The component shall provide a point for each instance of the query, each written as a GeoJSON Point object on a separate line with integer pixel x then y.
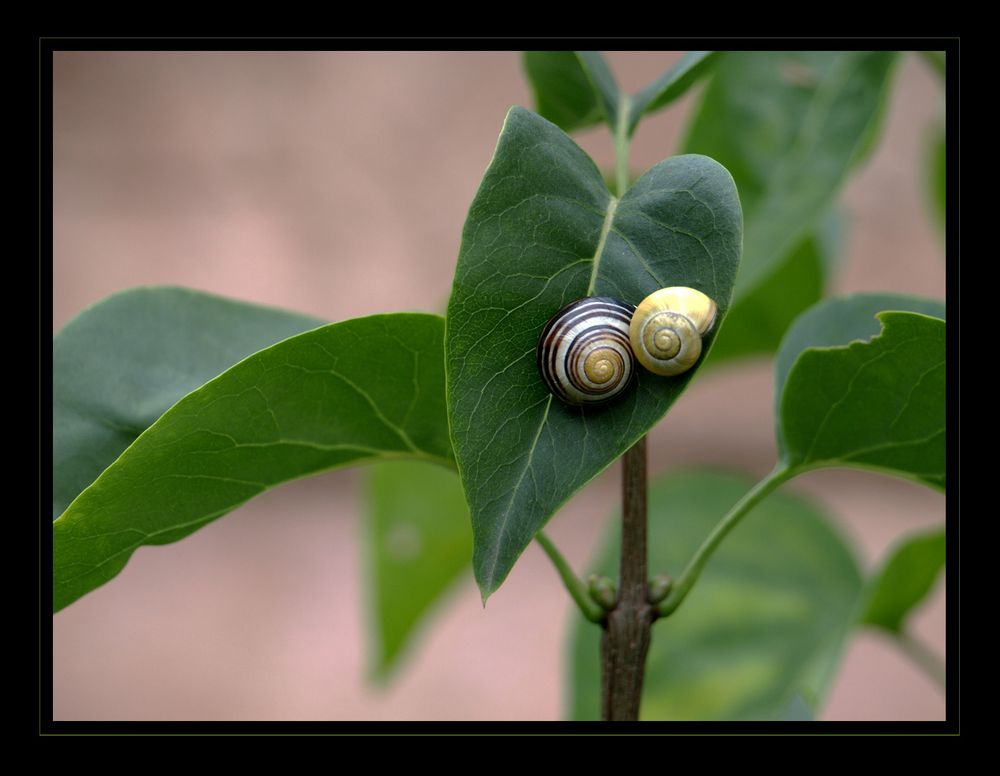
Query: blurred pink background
{"type": "Point", "coordinates": [336, 184]}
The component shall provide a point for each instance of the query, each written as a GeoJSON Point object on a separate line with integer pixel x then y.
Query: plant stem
{"type": "Point", "coordinates": [625, 641]}
{"type": "Point", "coordinates": [753, 497]}
{"type": "Point", "coordinates": [920, 654]}
{"type": "Point", "coordinates": [573, 584]}
{"type": "Point", "coordinates": [626, 636]}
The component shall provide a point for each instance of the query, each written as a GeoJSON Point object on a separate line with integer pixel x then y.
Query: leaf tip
{"type": "Point", "coordinates": [514, 112]}
{"type": "Point", "coordinates": [487, 587]}
{"type": "Point", "coordinates": [380, 673]}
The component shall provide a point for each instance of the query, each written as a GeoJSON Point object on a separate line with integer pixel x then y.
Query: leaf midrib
{"type": "Point", "coordinates": [862, 367]}
{"type": "Point", "coordinates": [505, 518]}
{"type": "Point", "coordinates": [609, 216]}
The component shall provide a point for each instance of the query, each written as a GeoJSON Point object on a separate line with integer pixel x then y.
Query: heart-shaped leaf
{"type": "Point", "coordinates": [125, 361]}
{"type": "Point", "coordinates": [904, 580]}
{"type": "Point", "coordinates": [363, 389]}
{"type": "Point", "coordinates": [877, 403]}
{"type": "Point", "coordinates": [542, 231]}
{"type": "Point", "coordinates": [420, 542]}
{"type": "Point", "coordinates": [761, 633]}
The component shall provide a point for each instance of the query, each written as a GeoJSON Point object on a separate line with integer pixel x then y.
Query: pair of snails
{"type": "Point", "coordinates": [587, 352]}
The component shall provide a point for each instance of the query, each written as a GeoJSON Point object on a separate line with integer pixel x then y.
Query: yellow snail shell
{"type": "Point", "coordinates": [667, 328]}
{"type": "Point", "coordinates": [583, 352]}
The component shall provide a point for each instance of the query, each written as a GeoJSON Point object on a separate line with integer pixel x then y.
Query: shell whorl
{"type": "Point", "coordinates": [667, 329]}
{"type": "Point", "coordinates": [584, 355]}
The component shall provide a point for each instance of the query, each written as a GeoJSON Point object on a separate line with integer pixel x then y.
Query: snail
{"type": "Point", "coordinates": [583, 352]}
{"type": "Point", "coordinates": [667, 328]}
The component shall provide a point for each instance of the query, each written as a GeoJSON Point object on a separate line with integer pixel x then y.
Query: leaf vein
{"type": "Point", "coordinates": [505, 517]}
{"type": "Point", "coordinates": [850, 387]}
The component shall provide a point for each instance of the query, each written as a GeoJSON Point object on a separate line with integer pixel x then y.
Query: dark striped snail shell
{"type": "Point", "coordinates": [667, 328]}
{"type": "Point", "coordinates": [584, 355]}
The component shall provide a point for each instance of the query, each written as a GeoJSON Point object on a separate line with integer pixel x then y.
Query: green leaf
{"type": "Point", "coordinates": [419, 543]}
{"type": "Point", "coordinates": [603, 82]}
{"type": "Point", "coordinates": [575, 89]}
{"type": "Point", "coordinates": [904, 580]}
{"type": "Point", "coordinates": [839, 321]}
{"type": "Point", "coordinates": [761, 633]}
{"type": "Point", "coordinates": [542, 231]}
{"type": "Point", "coordinates": [876, 403]}
{"type": "Point", "coordinates": [363, 389]}
{"type": "Point", "coordinates": [797, 710]}
{"type": "Point", "coordinates": [563, 91]}
{"type": "Point", "coordinates": [671, 85]}
{"type": "Point", "coordinates": [758, 321]}
{"type": "Point", "coordinates": [122, 363]}
{"type": "Point", "coordinates": [936, 61]}
{"type": "Point", "coordinates": [788, 126]}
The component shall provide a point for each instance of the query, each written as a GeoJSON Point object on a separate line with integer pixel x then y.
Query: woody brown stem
{"type": "Point", "coordinates": [627, 630]}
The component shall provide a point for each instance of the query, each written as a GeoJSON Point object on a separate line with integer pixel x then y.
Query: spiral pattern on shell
{"type": "Point", "coordinates": [584, 355]}
{"type": "Point", "coordinates": [667, 329]}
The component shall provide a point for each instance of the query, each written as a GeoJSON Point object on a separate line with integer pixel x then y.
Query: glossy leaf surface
{"type": "Point", "coordinates": [878, 403]}
{"type": "Point", "coordinates": [542, 231]}
{"type": "Point", "coordinates": [363, 389]}
{"type": "Point", "coordinates": [123, 362]}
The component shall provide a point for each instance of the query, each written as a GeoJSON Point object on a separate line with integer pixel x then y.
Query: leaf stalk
{"type": "Point", "coordinates": [754, 496]}
{"type": "Point", "coordinates": [577, 589]}
{"type": "Point", "coordinates": [626, 637]}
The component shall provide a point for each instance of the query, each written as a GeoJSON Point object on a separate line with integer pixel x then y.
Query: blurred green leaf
{"type": "Point", "coordinates": [788, 126]}
{"type": "Point", "coordinates": [123, 362]}
{"type": "Point", "coordinates": [877, 404]}
{"type": "Point", "coordinates": [759, 320]}
{"type": "Point", "coordinates": [363, 389]}
{"type": "Point", "coordinates": [563, 91]}
{"type": "Point", "coordinates": [603, 82]}
{"type": "Point", "coordinates": [543, 231]}
{"type": "Point", "coordinates": [670, 86]}
{"type": "Point", "coordinates": [797, 710]}
{"type": "Point", "coordinates": [575, 89]}
{"type": "Point", "coordinates": [761, 633]}
{"type": "Point", "coordinates": [937, 62]}
{"type": "Point", "coordinates": [420, 542]}
{"type": "Point", "coordinates": [904, 580]}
